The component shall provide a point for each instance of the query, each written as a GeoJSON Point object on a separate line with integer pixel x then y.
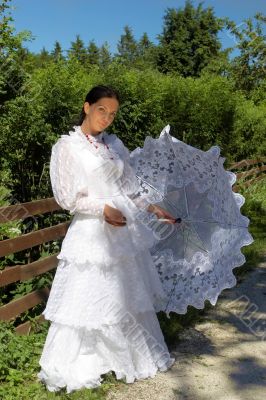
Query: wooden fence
{"type": "Point", "coordinates": [249, 172]}
{"type": "Point", "coordinates": [22, 273]}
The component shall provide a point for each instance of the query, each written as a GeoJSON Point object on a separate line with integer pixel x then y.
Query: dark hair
{"type": "Point", "coordinates": [95, 94]}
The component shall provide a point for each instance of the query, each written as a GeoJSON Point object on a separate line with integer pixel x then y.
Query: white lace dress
{"type": "Point", "coordinates": [106, 290]}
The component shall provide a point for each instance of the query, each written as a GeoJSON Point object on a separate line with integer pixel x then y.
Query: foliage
{"type": "Point", "coordinates": [25, 136]}
{"type": "Point", "coordinates": [12, 75]}
{"type": "Point", "coordinates": [254, 208]}
{"type": "Point", "coordinates": [249, 128]}
{"type": "Point", "coordinates": [104, 55]}
{"type": "Point", "coordinates": [93, 53]}
{"type": "Point", "coordinates": [9, 229]}
{"type": "Point", "coordinates": [78, 51]}
{"type": "Point", "coordinates": [189, 39]}
{"type": "Point", "coordinates": [255, 199]}
{"type": "Point", "coordinates": [248, 68]}
{"type": "Point", "coordinates": [57, 53]}
{"type": "Point", "coordinates": [127, 47]}
{"type": "Point", "coordinates": [201, 111]}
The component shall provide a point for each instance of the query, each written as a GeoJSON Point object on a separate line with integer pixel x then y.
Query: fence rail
{"type": "Point", "coordinates": [248, 174]}
{"type": "Point", "coordinates": [247, 171]}
{"type": "Point", "coordinates": [21, 273]}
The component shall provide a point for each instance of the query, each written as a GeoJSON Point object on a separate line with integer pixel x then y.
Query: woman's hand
{"type": "Point", "coordinates": [113, 216]}
{"type": "Point", "coordinates": [161, 213]}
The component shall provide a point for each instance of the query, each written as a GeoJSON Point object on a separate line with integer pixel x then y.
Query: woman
{"type": "Point", "coordinates": [106, 290]}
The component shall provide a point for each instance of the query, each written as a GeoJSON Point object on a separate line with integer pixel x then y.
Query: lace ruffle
{"type": "Point", "coordinates": [203, 277]}
{"type": "Point", "coordinates": [89, 295]}
{"type": "Point", "coordinates": [134, 349]}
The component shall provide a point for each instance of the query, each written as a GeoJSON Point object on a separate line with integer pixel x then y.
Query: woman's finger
{"type": "Point", "coordinates": [169, 216]}
{"type": "Point", "coordinates": [115, 222]}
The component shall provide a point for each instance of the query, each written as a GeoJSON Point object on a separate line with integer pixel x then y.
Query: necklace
{"type": "Point", "coordinates": [98, 148]}
{"type": "Point", "coordinates": [88, 136]}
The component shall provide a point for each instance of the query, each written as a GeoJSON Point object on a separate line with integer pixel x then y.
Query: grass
{"type": "Point", "coordinates": [19, 367]}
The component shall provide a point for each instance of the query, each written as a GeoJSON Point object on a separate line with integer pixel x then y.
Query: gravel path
{"type": "Point", "coordinates": [222, 358]}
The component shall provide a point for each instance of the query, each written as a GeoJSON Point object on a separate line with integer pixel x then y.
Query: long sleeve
{"type": "Point", "coordinates": [142, 202]}
{"type": "Point", "coordinates": [69, 183]}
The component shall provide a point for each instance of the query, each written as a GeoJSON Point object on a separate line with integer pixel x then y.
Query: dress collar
{"type": "Point", "coordinates": [106, 152]}
{"type": "Point", "coordinates": [94, 138]}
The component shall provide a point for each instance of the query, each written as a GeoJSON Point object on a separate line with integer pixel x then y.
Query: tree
{"type": "Point", "coordinates": [93, 53]}
{"type": "Point", "coordinates": [144, 44]}
{"type": "Point", "coordinates": [146, 51]}
{"type": "Point", "coordinates": [104, 55]}
{"type": "Point", "coordinates": [249, 67]}
{"type": "Point", "coordinates": [12, 74]}
{"type": "Point", "coordinates": [44, 56]}
{"type": "Point", "coordinates": [189, 39]}
{"type": "Point", "coordinates": [78, 50]}
{"type": "Point", "coordinates": [8, 41]}
{"type": "Point", "coordinates": [127, 47]}
{"type": "Point", "coordinates": [56, 53]}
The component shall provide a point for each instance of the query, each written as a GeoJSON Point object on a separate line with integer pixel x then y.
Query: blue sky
{"type": "Point", "coordinates": [103, 20]}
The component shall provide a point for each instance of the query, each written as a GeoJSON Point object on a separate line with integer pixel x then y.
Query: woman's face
{"type": "Point", "coordinates": [100, 115]}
